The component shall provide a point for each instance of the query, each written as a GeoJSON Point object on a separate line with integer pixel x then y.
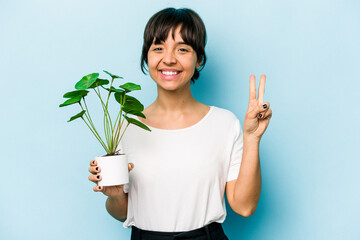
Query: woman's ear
{"type": "Point", "coordinates": [198, 64]}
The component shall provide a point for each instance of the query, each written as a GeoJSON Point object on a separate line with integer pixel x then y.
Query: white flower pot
{"type": "Point", "coordinates": [113, 170]}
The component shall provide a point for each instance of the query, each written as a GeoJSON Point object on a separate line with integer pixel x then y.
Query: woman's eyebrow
{"type": "Point", "coordinates": [162, 42]}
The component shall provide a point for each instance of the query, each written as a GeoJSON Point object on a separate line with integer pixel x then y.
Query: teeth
{"type": "Point", "coordinates": [169, 73]}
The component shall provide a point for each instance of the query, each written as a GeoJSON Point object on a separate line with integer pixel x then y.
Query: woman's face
{"type": "Point", "coordinates": [172, 63]}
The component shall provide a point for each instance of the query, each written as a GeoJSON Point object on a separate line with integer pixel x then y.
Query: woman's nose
{"type": "Point", "coordinates": [169, 57]}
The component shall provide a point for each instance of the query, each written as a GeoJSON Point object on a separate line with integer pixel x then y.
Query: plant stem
{"type": "Point", "coordinates": [107, 119]}
{"type": "Point", "coordinates": [116, 127]}
{"type": "Point", "coordinates": [118, 142]}
{"type": "Point", "coordinates": [119, 130]}
{"type": "Point", "coordinates": [97, 135]}
{"type": "Point", "coordinates": [99, 139]}
{"type": "Point", "coordinates": [106, 113]}
{"type": "Point", "coordinates": [121, 122]}
{"type": "Point", "coordinates": [118, 124]}
{"type": "Point", "coordinates": [111, 130]}
{"type": "Point", "coordinates": [124, 99]}
{"type": "Point", "coordinates": [107, 101]}
{"type": "Point", "coordinates": [87, 111]}
{"type": "Point", "coordinates": [117, 118]}
{"type": "Point", "coordinates": [119, 115]}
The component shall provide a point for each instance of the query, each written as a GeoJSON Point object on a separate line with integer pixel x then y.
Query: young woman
{"type": "Point", "coordinates": [181, 169]}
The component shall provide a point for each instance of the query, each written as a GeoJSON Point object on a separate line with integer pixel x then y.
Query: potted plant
{"type": "Point", "coordinates": [114, 165]}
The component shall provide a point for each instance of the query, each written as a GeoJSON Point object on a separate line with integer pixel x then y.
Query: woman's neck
{"type": "Point", "coordinates": [178, 101]}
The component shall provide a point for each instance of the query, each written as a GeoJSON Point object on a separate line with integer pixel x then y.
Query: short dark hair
{"type": "Point", "coordinates": [192, 31]}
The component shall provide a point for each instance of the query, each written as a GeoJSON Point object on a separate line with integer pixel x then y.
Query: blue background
{"type": "Point", "coordinates": [308, 49]}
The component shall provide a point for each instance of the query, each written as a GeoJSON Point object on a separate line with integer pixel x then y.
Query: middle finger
{"type": "Point", "coordinates": [95, 178]}
{"type": "Point", "coordinates": [95, 169]}
{"type": "Point", "coordinates": [261, 89]}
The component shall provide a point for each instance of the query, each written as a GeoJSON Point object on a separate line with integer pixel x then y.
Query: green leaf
{"type": "Point", "coordinates": [136, 113]}
{"type": "Point", "coordinates": [112, 75]}
{"type": "Point", "coordinates": [137, 123]}
{"type": "Point", "coordinates": [80, 114]}
{"type": "Point", "coordinates": [130, 86]}
{"type": "Point", "coordinates": [76, 93]}
{"type": "Point", "coordinates": [71, 101]}
{"type": "Point", "coordinates": [132, 106]}
{"type": "Point", "coordinates": [112, 89]}
{"type": "Point", "coordinates": [119, 97]}
{"type": "Point", "coordinates": [99, 82]}
{"type": "Point", "coordinates": [86, 81]}
{"type": "Point", "coordinates": [132, 99]}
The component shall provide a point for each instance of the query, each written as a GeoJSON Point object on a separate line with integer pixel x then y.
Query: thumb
{"type": "Point", "coordinates": [130, 166]}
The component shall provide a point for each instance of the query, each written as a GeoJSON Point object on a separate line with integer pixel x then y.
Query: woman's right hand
{"type": "Point", "coordinates": [110, 191]}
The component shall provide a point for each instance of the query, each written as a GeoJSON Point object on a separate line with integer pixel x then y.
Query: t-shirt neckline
{"type": "Point", "coordinates": [182, 129]}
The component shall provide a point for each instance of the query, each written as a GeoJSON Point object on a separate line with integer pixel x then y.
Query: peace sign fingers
{"type": "Point", "coordinates": [261, 89]}
{"type": "Point", "coordinates": [258, 115]}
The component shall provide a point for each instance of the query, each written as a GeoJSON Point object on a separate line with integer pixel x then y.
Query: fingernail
{"type": "Point", "coordinates": [93, 162]}
{"type": "Point", "coordinates": [98, 176]}
{"type": "Point", "coordinates": [99, 187]}
{"type": "Point", "coordinates": [96, 168]}
{"type": "Point", "coordinates": [260, 115]}
{"type": "Point", "coordinates": [264, 106]}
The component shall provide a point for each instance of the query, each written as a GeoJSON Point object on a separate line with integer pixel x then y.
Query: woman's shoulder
{"type": "Point", "coordinates": [224, 121]}
{"type": "Point", "coordinates": [224, 113]}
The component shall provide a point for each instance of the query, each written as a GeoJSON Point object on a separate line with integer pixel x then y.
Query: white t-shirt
{"type": "Point", "coordinates": [179, 176]}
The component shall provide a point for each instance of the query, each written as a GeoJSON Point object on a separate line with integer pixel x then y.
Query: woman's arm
{"type": "Point", "coordinates": [243, 193]}
{"type": "Point", "coordinates": [248, 184]}
{"type": "Point", "coordinates": [117, 206]}
{"type": "Point", "coordinates": [117, 201]}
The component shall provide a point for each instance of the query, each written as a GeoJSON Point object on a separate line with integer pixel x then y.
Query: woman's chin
{"type": "Point", "coordinates": [169, 86]}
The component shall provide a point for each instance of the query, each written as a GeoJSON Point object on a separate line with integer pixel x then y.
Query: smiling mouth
{"type": "Point", "coordinates": [170, 73]}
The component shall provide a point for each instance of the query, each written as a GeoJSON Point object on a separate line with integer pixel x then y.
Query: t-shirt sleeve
{"type": "Point", "coordinates": [126, 188]}
{"type": "Point", "coordinates": [236, 152]}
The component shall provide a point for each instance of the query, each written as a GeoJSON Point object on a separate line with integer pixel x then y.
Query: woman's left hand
{"type": "Point", "coordinates": [258, 115]}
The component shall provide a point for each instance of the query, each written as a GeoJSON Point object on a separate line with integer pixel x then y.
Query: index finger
{"type": "Point", "coordinates": [261, 89]}
{"type": "Point", "coordinates": [93, 163]}
{"type": "Point", "coordinates": [252, 94]}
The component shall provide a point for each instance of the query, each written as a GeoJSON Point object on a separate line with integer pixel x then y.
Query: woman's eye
{"type": "Point", "coordinates": [183, 50]}
{"type": "Point", "coordinates": [157, 49]}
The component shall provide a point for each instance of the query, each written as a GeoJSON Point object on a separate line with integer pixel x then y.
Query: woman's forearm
{"type": "Point", "coordinates": [248, 184]}
{"type": "Point", "coordinates": [117, 206]}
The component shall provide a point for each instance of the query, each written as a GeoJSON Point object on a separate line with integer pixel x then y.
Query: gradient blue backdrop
{"type": "Point", "coordinates": [309, 50]}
